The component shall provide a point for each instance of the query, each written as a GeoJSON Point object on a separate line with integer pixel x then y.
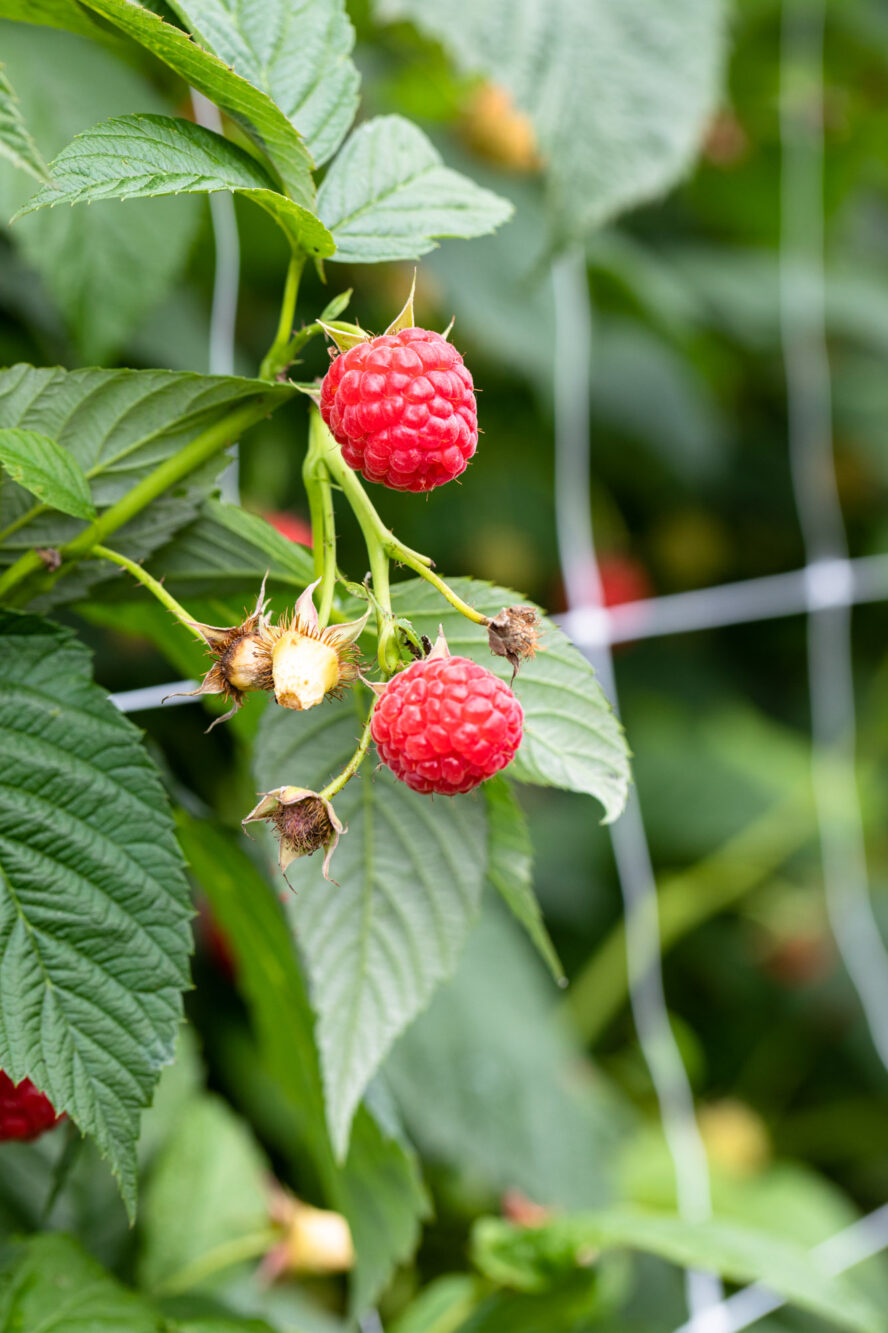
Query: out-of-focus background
{"type": "Point", "coordinates": [691, 488]}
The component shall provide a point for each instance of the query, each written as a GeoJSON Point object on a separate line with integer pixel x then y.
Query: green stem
{"type": "Point", "coordinates": [686, 900]}
{"type": "Point", "coordinates": [215, 1260]}
{"type": "Point", "coordinates": [167, 475]}
{"type": "Point", "coordinates": [353, 764]}
{"type": "Point", "coordinates": [148, 581]}
{"type": "Point", "coordinates": [278, 356]}
{"type": "Point", "coordinates": [381, 538]}
{"type": "Point", "coordinates": [316, 480]}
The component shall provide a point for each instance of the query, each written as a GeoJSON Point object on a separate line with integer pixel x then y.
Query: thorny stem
{"type": "Point", "coordinates": [147, 580]}
{"type": "Point", "coordinates": [168, 474]}
{"type": "Point", "coordinates": [319, 491]}
{"type": "Point", "coordinates": [352, 766]}
{"type": "Point", "coordinates": [278, 356]}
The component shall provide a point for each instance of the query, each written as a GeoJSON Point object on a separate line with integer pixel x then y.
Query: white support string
{"type": "Point", "coordinates": [863, 1239]}
{"type": "Point", "coordinates": [809, 420]}
{"type": "Point", "coordinates": [226, 279]}
{"type": "Point", "coordinates": [576, 546]}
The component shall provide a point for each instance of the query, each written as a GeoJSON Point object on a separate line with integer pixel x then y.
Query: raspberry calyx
{"type": "Point", "coordinates": [446, 724]}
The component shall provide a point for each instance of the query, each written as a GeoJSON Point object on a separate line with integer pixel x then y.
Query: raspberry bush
{"type": "Point", "coordinates": [341, 829]}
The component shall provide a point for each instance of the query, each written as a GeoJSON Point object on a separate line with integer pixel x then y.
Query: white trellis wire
{"type": "Point", "coordinates": [226, 280]}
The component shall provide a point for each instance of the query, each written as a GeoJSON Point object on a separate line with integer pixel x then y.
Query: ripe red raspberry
{"type": "Point", "coordinates": [402, 407]}
{"type": "Point", "coordinates": [24, 1112]}
{"type": "Point", "coordinates": [446, 724]}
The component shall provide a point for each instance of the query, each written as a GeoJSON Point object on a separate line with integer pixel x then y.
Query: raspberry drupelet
{"type": "Point", "coordinates": [25, 1113]}
{"type": "Point", "coordinates": [403, 409]}
{"type": "Point", "coordinates": [446, 724]}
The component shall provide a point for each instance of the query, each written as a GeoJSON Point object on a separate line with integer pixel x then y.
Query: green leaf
{"type": "Point", "coordinates": [227, 551]}
{"type": "Point", "coordinates": [51, 14]}
{"type": "Point", "coordinates": [102, 267]}
{"type": "Point", "coordinates": [298, 53]}
{"type": "Point", "coordinates": [94, 906]}
{"type": "Point", "coordinates": [15, 138]}
{"type": "Point", "coordinates": [532, 1259]}
{"type": "Point", "coordinates": [510, 867]}
{"type": "Point", "coordinates": [620, 94]}
{"type": "Point", "coordinates": [206, 1193]}
{"type": "Point", "coordinates": [409, 872]}
{"type": "Point", "coordinates": [52, 1286]}
{"type": "Point", "coordinates": [378, 1188]}
{"type": "Point", "coordinates": [137, 157]}
{"type": "Point", "coordinates": [496, 1016]}
{"type": "Point", "coordinates": [388, 194]}
{"type": "Point", "coordinates": [117, 426]}
{"type": "Point", "coordinates": [46, 470]}
{"type": "Point", "coordinates": [441, 1307]}
{"type": "Point", "coordinates": [571, 737]}
{"type": "Point", "coordinates": [248, 105]}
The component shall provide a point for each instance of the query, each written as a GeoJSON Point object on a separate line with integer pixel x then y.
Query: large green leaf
{"type": "Point", "coordinates": [50, 14]}
{"type": "Point", "coordinates": [49, 1285]}
{"type": "Point", "coordinates": [409, 875]}
{"type": "Point", "coordinates": [15, 137]}
{"type": "Point", "coordinates": [227, 551]}
{"type": "Point", "coordinates": [47, 470]}
{"type": "Point", "coordinates": [206, 1192]}
{"type": "Point", "coordinates": [94, 907]}
{"type": "Point", "coordinates": [378, 1187]}
{"type": "Point", "coordinates": [103, 267]}
{"type": "Point", "coordinates": [510, 867]}
{"type": "Point", "coordinates": [532, 1259]}
{"type": "Point", "coordinates": [137, 157]}
{"type": "Point", "coordinates": [571, 737]}
{"type": "Point", "coordinates": [620, 91]}
{"type": "Point", "coordinates": [388, 194]}
{"type": "Point", "coordinates": [250, 106]}
{"type": "Point", "coordinates": [118, 425]}
{"type": "Point", "coordinates": [298, 51]}
{"type": "Point", "coordinates": [489, 1082]}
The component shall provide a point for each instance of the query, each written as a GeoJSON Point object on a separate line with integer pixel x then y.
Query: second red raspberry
{"type": "Point", "coordinates": [25, 1113]}
{"type": "Point", "coordinates": [446, 724]}
{"type": "Point", "coordinates": [403, 409]}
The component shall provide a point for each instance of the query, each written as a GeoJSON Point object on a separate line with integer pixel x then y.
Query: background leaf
{"type": "Point", "coordinates": [296, 52]}
{"type": "Point", "coordinates": [46, 470]}
{"type": "Point", "coordinates": [94, 906]}
{"type": "Point", "coordinates": [206, 1190]}
{"type": "Point", "coordinates": [510, 866]}
{"type": "Point", "coordinates": [103, 267]}
{"type": "Point", "coordinates": [571, 737]}
{"type": "Point", "coordinates": [378, 1187]}
{"type": "Point", "coordinates": [530, 1259]}
{"type": "Point", "coordinates": [388, 194]}
{"type": "Point", "coordinates": [50, 13]}
{"type": "Point", "coordinates": [118, 425]}
{"type": "Point", "coordinates": [136, 157]}
{"type": "Point", "coordinates": [482, 1078]}
{"type": "Point", "coordinates": [619, 94]}
{"type": "Point", "coordinates": [53, 1287]}
{"type": "Point", "coordinates": [15, 138]}
{"type": "Point", "coordinates": [252, 108]}
{"type": "Point", "coordinates": [409, 877]}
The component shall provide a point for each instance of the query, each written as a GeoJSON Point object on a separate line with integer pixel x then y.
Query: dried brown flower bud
{"type": "Point", "coordinates": [304, 820]}
{"type": "Point", "coordinates": [243, 657]}
{"type": "Point", "coordinates": [514, 633]}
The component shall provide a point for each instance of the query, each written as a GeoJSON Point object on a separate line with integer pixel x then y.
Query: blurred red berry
{"type": "Point", "coordinates": [291, 526]}
{"type": "Point", "coordinates": [25, 1113]}
{"type": "Point", "coordinates": [402, 408]}
{"type": "Point", "coordinates": [623, 579]}
{"type": "Point", "coordinates": [446, 724]}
